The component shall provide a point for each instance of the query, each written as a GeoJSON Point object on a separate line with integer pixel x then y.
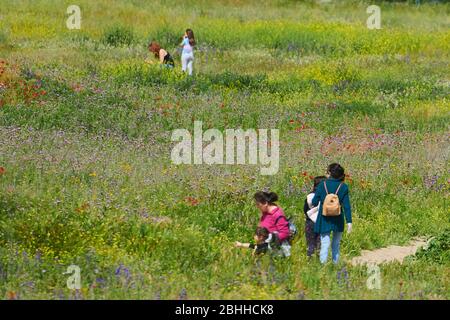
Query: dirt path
{"type": "Point", "coordinates": [388, 254]}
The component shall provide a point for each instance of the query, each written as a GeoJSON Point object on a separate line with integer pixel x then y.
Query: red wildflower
{"type": "Point", "coordinates": [191, 201]}
{"type": "Point", "coordinates": [82, 208]}
{"type": "Point", "coordinates": [12, 295]}
{"type": "Point", "coordinates": [2, 170]}
{"type": "Point", "coordinates": [348, 178]}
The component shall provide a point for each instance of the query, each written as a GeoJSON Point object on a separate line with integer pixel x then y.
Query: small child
{"type": "Point", "coordinates": [312, 238]}
{"type": "Point", "coordinates": [187, 54]}
{"type": "Point", "coordinates": [261, 244]}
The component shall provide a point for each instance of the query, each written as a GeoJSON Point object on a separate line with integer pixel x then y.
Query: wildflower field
{"type": "Point", "coordinates": [86, 176]}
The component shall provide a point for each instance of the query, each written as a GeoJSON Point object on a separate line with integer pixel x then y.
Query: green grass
{"type": "Point", "coordinates": [85, 125]}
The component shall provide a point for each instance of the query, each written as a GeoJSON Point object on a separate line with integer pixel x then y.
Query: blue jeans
{"type": "Point", "coordinates": [325, 245]}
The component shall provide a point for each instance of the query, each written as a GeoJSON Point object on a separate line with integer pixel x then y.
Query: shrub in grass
{"type": "Point", "coordinates": [80, 38]}
{"type": "Point", "coordinates": [119, 36]}
{"type": "Point", "coordinates": [438, 249]}
{"type": "Point", "coordinates": [233, 80]}
{"type": "Point", "coordinates": [166, 37]}
{"type": "Point", "coordinates": [3, 39]}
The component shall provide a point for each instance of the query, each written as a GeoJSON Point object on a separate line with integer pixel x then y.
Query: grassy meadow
{"type": "Point", "coordinates": [86, 176]}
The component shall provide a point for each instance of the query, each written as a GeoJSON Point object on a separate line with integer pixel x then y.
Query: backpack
{"type": "Point", "coordinates": [293, 231]}
{"type": "Point", "coordinates": [331, 206]}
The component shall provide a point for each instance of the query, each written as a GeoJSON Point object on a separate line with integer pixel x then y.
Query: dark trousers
{"type": "Point", "coordinates": [312, 238]}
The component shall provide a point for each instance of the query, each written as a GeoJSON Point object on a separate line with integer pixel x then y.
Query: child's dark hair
{"type": "Point", "coordinates": [190, 35]}
{"type": "Point", "coordinates": [262, 232]}
{"type": "Point", "coordinates": [318, 180]}
{"type": "Point", "coordinates": [336, 171]}
{"type": "Point", "coordinates": [266, 197]}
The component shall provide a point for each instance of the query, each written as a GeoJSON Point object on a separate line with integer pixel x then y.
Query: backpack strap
{"type": "Point", "coordinates": [337, 190]}
{"type": "Point", "coordinates": [276, 223]}
{"type": "Point", "coordinates": [281, 216]}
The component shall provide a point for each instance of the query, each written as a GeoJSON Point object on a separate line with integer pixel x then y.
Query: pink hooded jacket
{"type": "Point", "coordinates": [282, 226]}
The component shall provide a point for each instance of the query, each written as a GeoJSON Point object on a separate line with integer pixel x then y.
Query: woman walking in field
{"type": "Point", "coordinates": [187, 54]}
{"type": "Point", "coordinates": [333, 196]}
{"type": "Point", "coordinates": [164, 57]}
{"type": "Point", "coordinates": [274, 220]}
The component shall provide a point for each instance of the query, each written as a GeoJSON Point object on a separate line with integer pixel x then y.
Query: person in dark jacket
{"type": "Point", "coordinates": [325, 225]}
{"type": "Point", "coordinates": [312, 238]}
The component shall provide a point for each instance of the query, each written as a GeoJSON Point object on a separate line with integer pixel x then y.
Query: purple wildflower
{"type": "Point", "coordinates": [101, 282]}
{"type": "Point", "coordinates": [61, 295]}
{"type": "Point", "coordinates": [38, 257]}
{"type": "Point", "coordinates": [117, 272]}
{"type": "Point", "coordinates": [78, 295]}
{"type": "Point", "coordinates": [29, 284]}
{"type": "Point", "coordinates": [126, 272]}
{"type": "Point", "coordinates": [342, 276]}
{"type": "Point", "coordinates": [290, 189]}
{"type": "Point", "coordinates": [431, 183]}
{"type": "Point", "coordinates": [183, 295]}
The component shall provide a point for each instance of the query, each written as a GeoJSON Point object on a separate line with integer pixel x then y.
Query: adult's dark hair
{"type": "Point", "coordinates": [266, 197]}
{"type": "Point", "coordinates": [317, 181]}
{"type": "Point", "coordinates": [262, 232]}
{"type": "Point", "coordinates": [190, 35]}
{"type": "Point", "coordinates": [336, 171]}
